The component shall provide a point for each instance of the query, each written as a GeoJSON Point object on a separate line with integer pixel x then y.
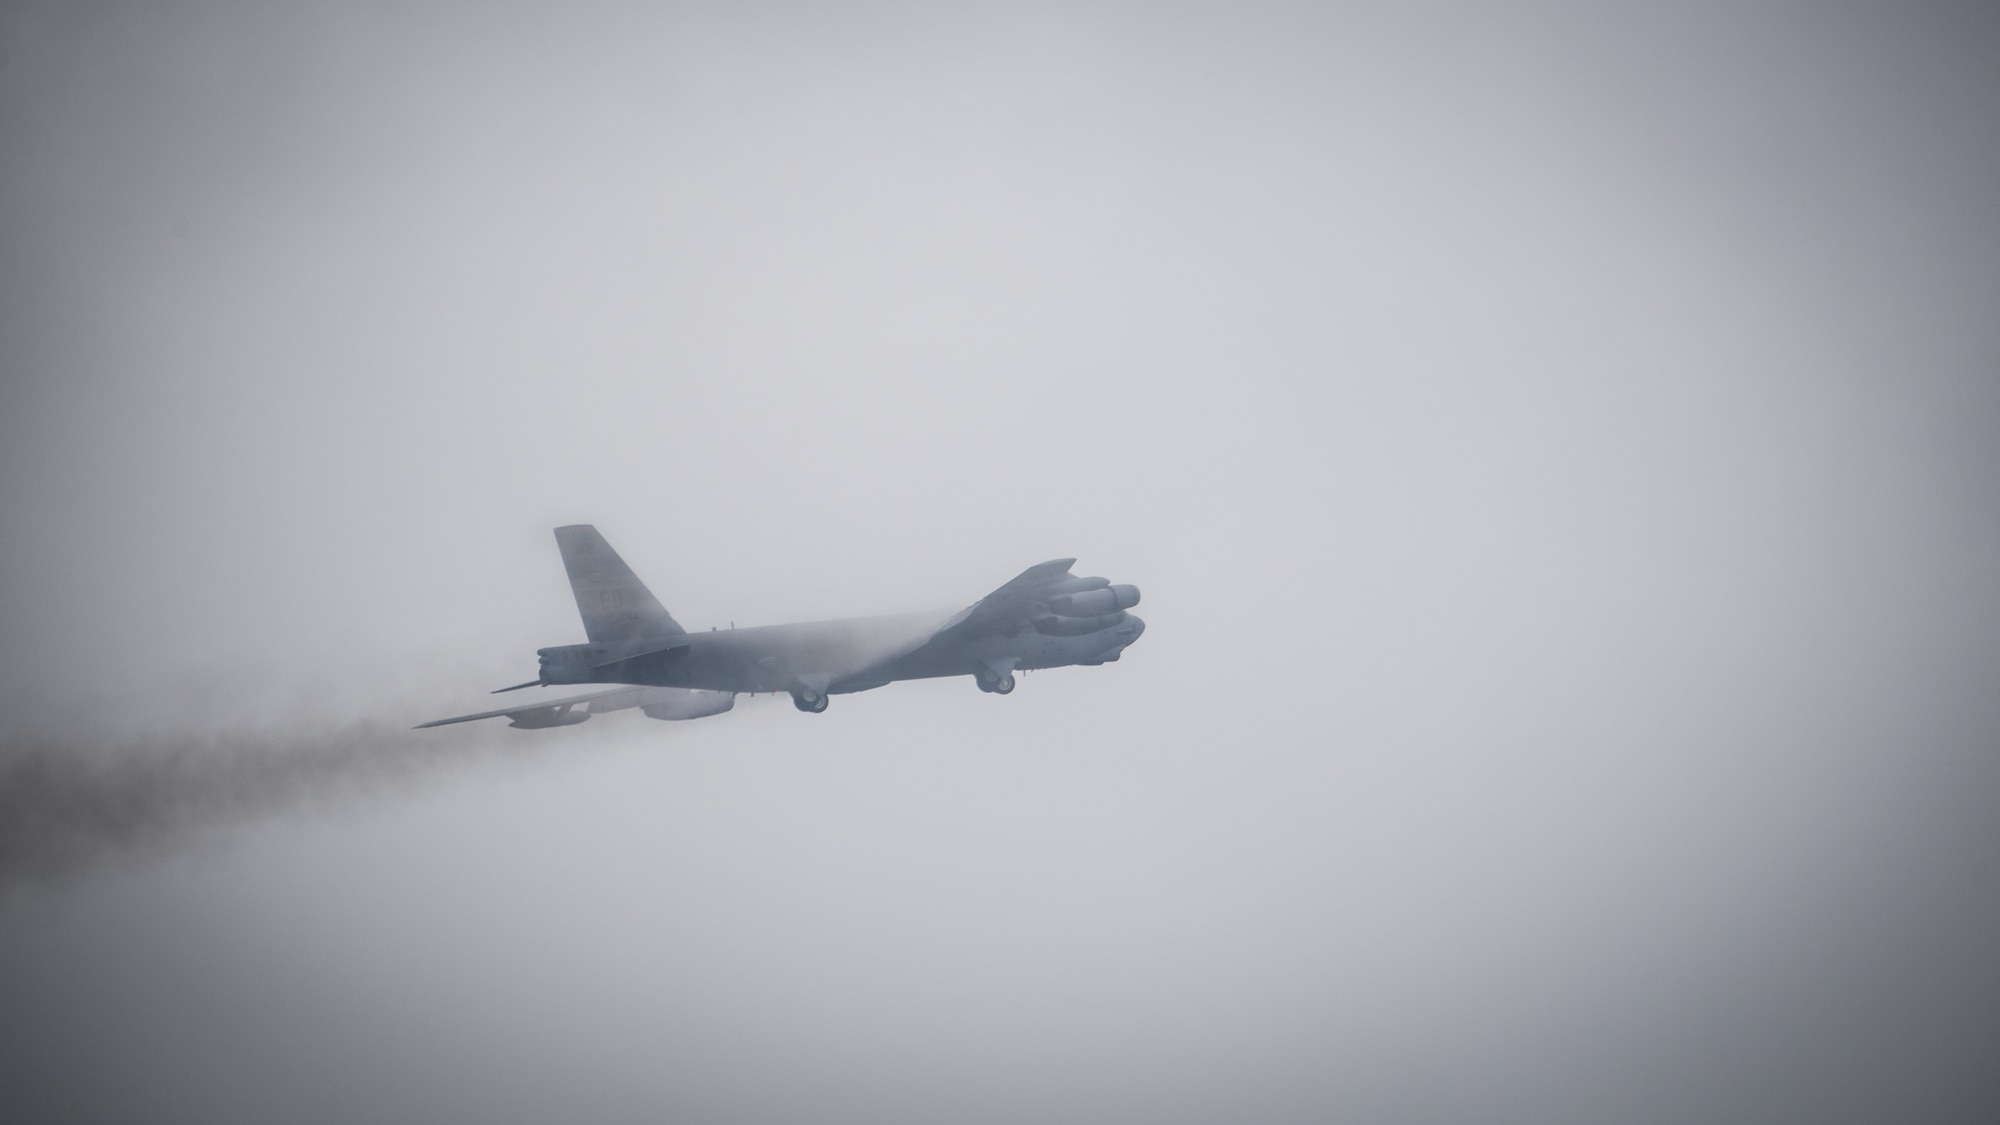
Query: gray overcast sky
{"type": "Point", "coordinates": [1557, 443]}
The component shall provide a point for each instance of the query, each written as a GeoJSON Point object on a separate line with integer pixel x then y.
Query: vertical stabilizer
{"type": "Point", "coordinates": [615, 605]}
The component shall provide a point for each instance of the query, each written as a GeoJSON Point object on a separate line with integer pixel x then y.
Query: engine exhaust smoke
{"type": "Point", "coordinates": [69, 803]}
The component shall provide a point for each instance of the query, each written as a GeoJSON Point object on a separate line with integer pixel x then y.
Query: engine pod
{"type": "Point", "coordinates": [686, 703]}
{"type": "Point", "coordinates": [1072, 586]}
{"type": "Point", "coordinates": [541, 718]}
{"type": "Point", "coordinates": [1095, 603]}
{"type": "Point", "coordinates": [1076, 626]}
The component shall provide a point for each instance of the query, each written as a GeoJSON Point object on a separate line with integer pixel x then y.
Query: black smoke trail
{"type": "Point", "coordinates": [67, 803]}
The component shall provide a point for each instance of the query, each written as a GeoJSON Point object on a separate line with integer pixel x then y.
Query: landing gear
{"type": "Point", "coordinates": [998, 685]}
{"type": "Point", "coordinates": [808, 700]}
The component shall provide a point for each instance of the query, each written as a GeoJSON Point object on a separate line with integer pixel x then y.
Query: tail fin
{"type": "Point", "coordinates": [615, 605]}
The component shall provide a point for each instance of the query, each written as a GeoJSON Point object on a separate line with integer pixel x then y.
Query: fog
{"type": "Point", "coordinates": [1558, 448]}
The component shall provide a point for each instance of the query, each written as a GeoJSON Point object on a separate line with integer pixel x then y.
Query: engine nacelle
{"type": "Point", "coordinates": [1073, 586]}
{"type": "Point", "coordinates": [689, 703]}
{"type": "Point", "coordinates": [1076, 626]}
{"type": "Point", "coordinates": [1096, 603]}
{"type": "Point", "coordinates": [541, 718]}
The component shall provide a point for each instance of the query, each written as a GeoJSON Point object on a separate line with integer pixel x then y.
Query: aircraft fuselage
{"type": "Point", "coordinates": [845, 655]}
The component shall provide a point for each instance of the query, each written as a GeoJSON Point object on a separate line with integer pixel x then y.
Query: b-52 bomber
{"type": "Point", "coordinates": [1045, 617]}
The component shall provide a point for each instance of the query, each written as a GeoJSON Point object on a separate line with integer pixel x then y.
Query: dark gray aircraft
{"type": "Point", "coordinates": [1045, 618]}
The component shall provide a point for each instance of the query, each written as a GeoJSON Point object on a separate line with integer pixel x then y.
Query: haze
{"type": "Point", "coordinates": [1557, 447]}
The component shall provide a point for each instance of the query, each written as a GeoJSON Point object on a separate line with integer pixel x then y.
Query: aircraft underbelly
{"type": "Point", "coordinates": [776, 658]}
{"type": "Point", "coordinates": [863, 653]}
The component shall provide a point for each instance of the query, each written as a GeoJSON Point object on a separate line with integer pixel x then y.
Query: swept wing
{"type": "Point", "coordinates": [1009, 608]}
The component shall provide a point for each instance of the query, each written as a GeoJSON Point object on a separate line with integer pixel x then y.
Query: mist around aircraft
{"type": "Point", "coordinates": [1045, 617]}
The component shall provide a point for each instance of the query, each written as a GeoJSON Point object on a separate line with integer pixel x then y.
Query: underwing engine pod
{"type": "Point", "coordinates": [674, 704]}
{"type": "Point", "coordinates": [1076, 626]}
{"type": "Point", "coordinates": [540, 718]}
{"type": "Point", "coordinates": [1095, 603]}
